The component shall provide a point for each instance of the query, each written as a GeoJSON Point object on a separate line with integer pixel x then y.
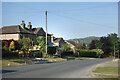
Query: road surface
{"type": "Point", "coordinates": [68, 69]}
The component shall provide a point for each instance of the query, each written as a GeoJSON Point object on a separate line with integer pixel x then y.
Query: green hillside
{"type": "Point", "coordinates": [86, 40]}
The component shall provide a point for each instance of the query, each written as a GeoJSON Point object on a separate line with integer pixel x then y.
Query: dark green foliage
{"type": "Point", "coordinates": [6, 43]}
{"type": "Point", "coordinates": [51, 50]}
{"type": "Point", "coordinates": [37, 54]}
{"type": "Point", "coordinates": [41, 43]}
{"type": "Point", "coordinates": [67, 53]}
{"type": "Point", "coordinates": [88, 53]}
{"type": "Point", "coordinates": [25, 43]}
{"type": "Point", "coordinates": [7, 53]}
{"type": "Point", "coordinates": [106, 46]}
{"type": "Point", "coordinates": [92, 45]}
{"type": "Point", "coordinates": [65, 47]}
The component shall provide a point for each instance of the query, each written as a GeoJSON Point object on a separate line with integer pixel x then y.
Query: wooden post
{"type": "Point", "coordinates": [118, 54]}
{"type": "Point", "coordinates": [114, 52]}
{"type": "Point", "coordinates": [46, 31]}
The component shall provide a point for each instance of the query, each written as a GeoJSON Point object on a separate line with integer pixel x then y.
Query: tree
{"type": "Point", "coordinates": [106, 45]}
{"type": "Point", "coordinates": [12, 45]}
{"type": "Point", "coordinates": [65, 47]}
{"type": "Point", "coordinates": [25, 43]}
{"type": "Point", "coordinates": [114, 42]}
{"type": "Point", "coordinates": [41, 42]}
{"type": "Point", "coordinates": [92, 45]}
{"type": "Point", "coordinates": [98, 44]}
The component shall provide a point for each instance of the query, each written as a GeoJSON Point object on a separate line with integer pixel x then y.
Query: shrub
{"type": "Point", "coordinates": [51, 50]}
{"type": "Point", "coordinates": [12, 45]}
{"type": "Point", "coordinates": [6, 43]}
{"type": "Point", "coordinates": [88, 53]}
{"type": "Point", "coordinates": [37, 54]}
{"type": "Point", "coordinates": [7, 53]}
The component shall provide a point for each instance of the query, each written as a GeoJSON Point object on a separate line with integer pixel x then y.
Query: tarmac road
{"type": "Point", "coordinates": [68, 69]}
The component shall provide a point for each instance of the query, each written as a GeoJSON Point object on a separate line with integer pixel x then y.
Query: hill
{"type": "Point", "coordinates": [86, 40]}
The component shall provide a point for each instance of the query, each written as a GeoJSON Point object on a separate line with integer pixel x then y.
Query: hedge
{"type": "Point", "coordinates": [51, 50]}
{"type": "Point", "coordinates": [7, 53]}
{"type": "Point", "coordinates": [88, 53]}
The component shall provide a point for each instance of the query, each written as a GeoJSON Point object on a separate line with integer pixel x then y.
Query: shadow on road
{"type": "Point", "coordinates": [7, 71]}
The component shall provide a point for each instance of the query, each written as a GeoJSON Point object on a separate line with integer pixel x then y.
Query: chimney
{"type": "Point", "coordinates": [52, 38]}
{"type": "Point", "coordinates": [23, 24]}
{"type": "Point", "coordinates": [29, 26]}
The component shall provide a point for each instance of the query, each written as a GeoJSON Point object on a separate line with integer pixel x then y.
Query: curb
{"type": "Point", "coordinates": [93, 74]}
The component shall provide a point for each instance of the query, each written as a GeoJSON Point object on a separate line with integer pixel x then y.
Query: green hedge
{"type": "Point", "coordinates": [89, 53]}
{"type": "Point", "coordinates": [51, 50]}
{"type": "Point", "coordinates": [7, 53]}
{"type": "Point", "coordinates": [37, 54]}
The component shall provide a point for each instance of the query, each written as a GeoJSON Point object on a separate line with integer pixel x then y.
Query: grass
{"type": "Point", "coordinates": [106, 76]}
{"type": "Point", "coordinates": [16, 62]}
{"type": "Point", "coordinates": [108, 70]}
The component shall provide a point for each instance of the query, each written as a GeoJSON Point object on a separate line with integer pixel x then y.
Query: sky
{"type": "Point", "coordinates": [65, 19]}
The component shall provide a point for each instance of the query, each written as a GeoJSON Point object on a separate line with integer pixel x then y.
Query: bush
{"type": "Point", "coordinates": [6, 43]}
{"type": "Point", "coordinates": [7, 53]}
{"type": "Point", "coordinates": [88, 53]}
{"type": "Point", "coordinates": [67, 53]}
{"type": "Point", "coordinates": [37, 54]}
{"type": "Point", "coordinates": [51, 50]}
{"type": "Point", "coordinates": [12, 45]}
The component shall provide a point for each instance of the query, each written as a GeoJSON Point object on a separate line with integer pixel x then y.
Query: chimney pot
{"type": "Point", "coordinates": [23, 24]}
{"type": "Point", "coordinates": [29, 23]}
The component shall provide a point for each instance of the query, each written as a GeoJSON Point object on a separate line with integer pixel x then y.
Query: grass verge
{"type": "Point", "coordinates": [16, 62]}
{"type": "Point", "coordinates": [107, 70]}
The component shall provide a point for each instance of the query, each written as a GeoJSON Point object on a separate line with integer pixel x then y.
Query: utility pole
{"type": "Point", "coordinates": [118, 54]}
{"type": "Point", "coordinates": [46, 31]}
{"type": "Point", "coordinates": [114, 52]}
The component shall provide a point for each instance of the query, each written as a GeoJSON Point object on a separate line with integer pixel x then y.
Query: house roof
{"type": "Point", "coordinates": [56, 40]}
{"type": "Point", "coordinates": [72, 42]}
{"type": "Point", "coordinates": [36, 30]}
{"type": "Point", "coordinates": [14, 29]}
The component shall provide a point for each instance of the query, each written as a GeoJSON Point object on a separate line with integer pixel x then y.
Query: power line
{"type": "Point", "coordinates": [85, 21]}
{"type": "Point", "coordinates": [69, 10]}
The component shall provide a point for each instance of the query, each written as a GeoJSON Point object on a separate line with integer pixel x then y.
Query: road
{"type": "Point", "coordinates": [68, 69]}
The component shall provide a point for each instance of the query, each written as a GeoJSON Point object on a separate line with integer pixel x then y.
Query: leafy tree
{"type": "Point", "coordinates": [41, 42]}
{"type": "Point", "coordinates": [106, 45]}
{"type": "Point", "coordinates": [98, 44]}
{"type": "Point", "coordinates": [12, 45]}
{"type": "Point", "coordinates": [65, 47]}
{"type": "Point", "coordinates": [25, 43]}
{"type": "Point", "coordinates": [92, 45]}
{"type": "Point", "coordinates": [114, 42]}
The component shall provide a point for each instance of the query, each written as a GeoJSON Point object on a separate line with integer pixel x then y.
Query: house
{"type": "Point", "coordinates": [57, 41]}
{"type": "Point", "coordinates": [72, 44]}
{"type": "Point", "coordinates": [17, 32]}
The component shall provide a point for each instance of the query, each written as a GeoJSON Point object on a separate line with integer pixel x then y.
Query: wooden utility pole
{"type": "Point", "coordinates": [118, 54]}
{"type": "Point", "coordinates": [46, 30]}
{"type": "Point", "coordinates": [114, 52]}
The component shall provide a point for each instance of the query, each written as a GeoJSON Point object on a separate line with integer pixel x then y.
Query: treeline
{"type": "Point", "coordinates": [110, 45]}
